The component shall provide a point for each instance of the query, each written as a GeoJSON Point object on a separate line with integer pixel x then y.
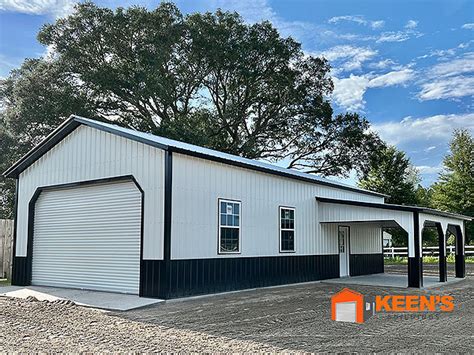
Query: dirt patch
{"type": "Point", "coordinates": [298, 317]}
{"type": "Point", "coordinates": [33, 326]}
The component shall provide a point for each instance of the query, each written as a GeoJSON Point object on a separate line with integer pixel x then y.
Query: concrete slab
{"type": "Point", "coordinates": [389, 280]}
{"type": "Point", "coordinates": [94, 299]}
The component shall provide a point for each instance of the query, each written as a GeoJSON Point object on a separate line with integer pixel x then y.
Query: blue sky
{"type": "Point", "coordinates": [408, 66]}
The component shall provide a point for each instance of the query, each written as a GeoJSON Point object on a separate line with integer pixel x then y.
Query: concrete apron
{"type": "Point", "coordinates": [390, 280]}
{"type": "Point", "coordinates": [94, 299]}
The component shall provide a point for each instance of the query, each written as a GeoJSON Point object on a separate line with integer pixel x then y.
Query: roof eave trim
{"type": "Point", "coordinates": [393, 207]}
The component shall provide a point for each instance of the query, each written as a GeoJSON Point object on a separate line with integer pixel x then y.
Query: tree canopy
{"type": "Point", "coordinates": [454, 190]}
{"type": "Point", "coordinates": [207, 78]}
{"type": "Point", "coordinates": [391, 172]}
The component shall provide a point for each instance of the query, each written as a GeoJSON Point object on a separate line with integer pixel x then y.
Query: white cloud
{"type": "Point", "coordinates": [468, 26]}
{"type": "Point", "coordinates": [455, 67]}
{"type": "Point", "coordinates": [411, 24]}
{"type": "Point", "coordinates": [425, 169]}
{"type": "Point", "coordinates": [349, 92]}
{"type": "Point", "coordinates": [383, 64]}
{"type": "Point", "coordinates": [348, 57]}
{"type": "Point", "coordinates": [399, 36]}
{"type": "Point", "coordinates": [430, 148]}
{"type": "Point", "coordinates": [377, 24]}
{"type": "Point", "coordinates": [57, 8]}
{"type": "Point", "coordinates": [357, 19]}
{"type": "Point", "coordinates": [392, 78]}
{"type": "Point", "coordinates": [447, 88]}
{"type": "Point", "coordinates": [425, 129]}
{"type": "Point", "coordinates": [449, 80]}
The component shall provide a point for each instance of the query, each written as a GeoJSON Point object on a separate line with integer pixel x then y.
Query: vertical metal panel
{"type": "Point", "coordinates": [200, 276]}
{"type": "Point", "coordinates": [88, 237]}
{"type": "Point", "coordinates": [197, 185]}
{"type": "Point", "coordinates": [365, 239]}
{"type": "Point", "coordinates": [366, 264]}
{"type": "Point", "coordinates": [88, 154]}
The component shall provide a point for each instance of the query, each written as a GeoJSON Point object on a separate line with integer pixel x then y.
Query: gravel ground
{"type": "Point", "coordinates": [291, 318]}
{"type": "Point", "coordinates": [33, 326]}
{"type": "Point", "coordinates": [298, 317]}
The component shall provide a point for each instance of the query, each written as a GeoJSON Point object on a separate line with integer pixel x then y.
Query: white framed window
{"type": "Point", "coordinates": [229, 226]}
{"type": "Point", "coordinates": [287, 229]}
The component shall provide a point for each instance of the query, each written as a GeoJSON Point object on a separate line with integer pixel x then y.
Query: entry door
{"type": "Point", "coordinates": [343, 234]}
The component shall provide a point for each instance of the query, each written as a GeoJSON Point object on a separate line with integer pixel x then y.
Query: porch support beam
{"type": "Point", "coordinates": [443, 266]}
{"type": "Point", "coordinates": [415, 263]}
{"type": "Point", "coordinates": [459, 258]}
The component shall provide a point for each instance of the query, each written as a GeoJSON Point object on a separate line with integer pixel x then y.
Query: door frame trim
{"type": "Point", "coordinates": [39, 190]}
{"type": "Point", "coordinates": [348, 254]}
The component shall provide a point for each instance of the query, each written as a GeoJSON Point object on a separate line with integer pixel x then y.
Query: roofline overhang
{"type": "Point", "coordinates": [387, 206]}
{"type": "Point", "coordinates": [74, 121]}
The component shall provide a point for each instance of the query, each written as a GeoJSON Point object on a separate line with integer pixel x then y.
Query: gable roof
{"type": "Point", "coordinates": [73, 122]}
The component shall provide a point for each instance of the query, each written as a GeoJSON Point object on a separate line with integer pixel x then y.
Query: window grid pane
{"type": "Point", "coordinates": [229, 226]}
{"type": "Point", "coordinates": [229, 239]}
{"type": "Point", "coordinates": [287, 227]}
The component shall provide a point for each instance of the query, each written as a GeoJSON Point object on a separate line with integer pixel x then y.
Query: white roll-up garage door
{"type": "Point", "coordinates": [88, 237]}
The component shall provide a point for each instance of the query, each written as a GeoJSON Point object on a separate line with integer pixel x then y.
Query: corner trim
{"type": "Point", "coordinates": [168, 199]}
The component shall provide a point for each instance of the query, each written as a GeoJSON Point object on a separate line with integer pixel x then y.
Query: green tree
{"type": "Point", "coordinates": [36, 98]}
{"type": "Point", "coordinates": [391, 172]}
{"type": "Point", "coordinates": [208, 79]}
{"type": "Point", "coordinates": [454, 190]}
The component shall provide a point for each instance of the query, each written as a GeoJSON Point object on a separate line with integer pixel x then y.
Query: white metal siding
{"type": "Point", "coordinates": [199, 183]}
{"type": "Point", "coordinates": [88, 154]}
{"type": "Point", "coordinates": [88, 237]}
{"type": "Point", "coordinates": [334, 212]}
{"type": "Point", "coordinates": [365, 239]}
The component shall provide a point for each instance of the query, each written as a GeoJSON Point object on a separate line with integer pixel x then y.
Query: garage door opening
{"type": "Point", "coordinates": [88, 237]}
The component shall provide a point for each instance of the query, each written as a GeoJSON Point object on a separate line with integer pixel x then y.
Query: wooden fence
{"type": "Point", "coordinates": [391, 252]}
{"type": "Point", "coordinates": [6, 248]}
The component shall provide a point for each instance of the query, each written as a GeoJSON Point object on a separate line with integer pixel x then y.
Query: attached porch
{"type": "Point", "coordinates": [344, 214]}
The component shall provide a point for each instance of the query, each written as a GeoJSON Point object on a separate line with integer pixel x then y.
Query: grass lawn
{"type": "Point", "coordinates": [4, 282]}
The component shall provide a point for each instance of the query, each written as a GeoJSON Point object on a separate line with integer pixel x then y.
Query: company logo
{"type": "Point", "coordinates": [351, 306]}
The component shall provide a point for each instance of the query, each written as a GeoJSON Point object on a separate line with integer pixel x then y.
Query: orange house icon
{"type": "Point", "coordinates": [348, 306]}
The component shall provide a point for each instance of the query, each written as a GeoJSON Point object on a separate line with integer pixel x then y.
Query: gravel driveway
{"type": "Point", "coordinates": [292, 318]}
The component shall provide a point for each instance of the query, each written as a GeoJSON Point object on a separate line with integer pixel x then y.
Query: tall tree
{"type": "Point", "coordinates": [391, 172]}
{"type": "Point", "coordinates": [454, 190]}
{"type": "Point", "coordinates": [208, 79]}
{"type": "Point", "coordinates": [35, 99]}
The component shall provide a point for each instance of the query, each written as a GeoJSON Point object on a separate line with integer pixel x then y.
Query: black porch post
{"type": "Point", "coordinates": [460, 263]}
{"type": "Point", "coordinates": [415, 264]}
{"type": "Point", "coordinates": [443, 275]}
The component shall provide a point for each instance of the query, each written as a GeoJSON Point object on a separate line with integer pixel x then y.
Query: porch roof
{"type": "Point", "coordinates": [387, 206]}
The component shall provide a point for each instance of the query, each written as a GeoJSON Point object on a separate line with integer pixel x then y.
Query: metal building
{"type": "Point", "coordinates": [107, 208]}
